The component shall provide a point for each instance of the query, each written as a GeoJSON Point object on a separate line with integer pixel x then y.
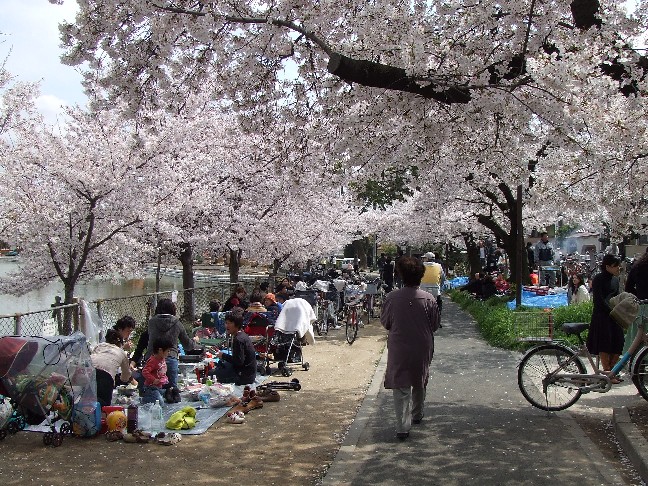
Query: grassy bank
{"type": "Point", "coordinates": [500, 326]}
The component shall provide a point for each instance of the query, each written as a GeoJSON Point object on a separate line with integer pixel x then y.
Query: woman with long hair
{"type": "Point", "coordinates": [577, 290]}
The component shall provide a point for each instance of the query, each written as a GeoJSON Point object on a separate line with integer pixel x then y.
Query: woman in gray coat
{"type": "Point", "coordinates": [411, 317]}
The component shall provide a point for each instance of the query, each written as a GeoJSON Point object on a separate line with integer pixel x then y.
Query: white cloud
{"type": "Point", "coordinates": [29, 36]}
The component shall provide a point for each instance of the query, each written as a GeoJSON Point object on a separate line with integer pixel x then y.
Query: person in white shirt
{"type": "Point", "coordinates": [108, 358]}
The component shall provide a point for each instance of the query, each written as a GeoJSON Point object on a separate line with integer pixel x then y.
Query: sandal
{"type": "Point", "coordinates": [231, 401]}
{"type": "Point", "coordinates": [616, 380]}
{"type": "Point", "coordinates": [235, 417]}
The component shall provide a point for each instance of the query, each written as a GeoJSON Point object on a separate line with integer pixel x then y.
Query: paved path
{"type": "Point", "coordinates": [478, 429]}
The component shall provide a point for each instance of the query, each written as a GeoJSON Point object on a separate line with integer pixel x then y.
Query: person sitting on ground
{"type": "Point", "coordinates": [285, 287]}
{"type": "Point", "coordinates": [237, 299]}
{"type": "Point", "coordinates": [155, 371]}
{"type": "Point", "coordinates": [270, 303]}
{"type": "Point", "coordinates": [501, 284]}
{"type": "Point", "coordinates": [577, 291]}
{"type": "Point", "coordinates": [124, 327]}
{"type": "Point", "coordinates": [239, 367]}
{"type": "Point", "coordinates": [107, 358]}
{"type": "Point", "coordinates": [474, 286]}
{"type": "Point", "coordinates": [255, 303]}
{"type": "Point", "coordinates": [488, 288]}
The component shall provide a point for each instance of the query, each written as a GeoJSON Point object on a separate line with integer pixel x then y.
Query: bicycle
{"type": "Point", "coordinates": [552, 376]}
{"type": "Point", "coordinates": [353, 301]}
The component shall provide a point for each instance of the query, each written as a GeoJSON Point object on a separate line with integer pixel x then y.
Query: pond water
{"type": "Point", "coordinates": [41, 299]}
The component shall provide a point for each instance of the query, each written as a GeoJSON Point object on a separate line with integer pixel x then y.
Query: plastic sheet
{"type": "Point", "coordinates": [531, 299]}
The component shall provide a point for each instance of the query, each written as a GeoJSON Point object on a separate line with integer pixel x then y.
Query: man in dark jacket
{"type": "Point", "coordinates": [240, 366]}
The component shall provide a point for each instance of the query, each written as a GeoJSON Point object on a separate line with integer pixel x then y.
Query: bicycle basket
{"type": "Point", "coordinates": [532, 326]}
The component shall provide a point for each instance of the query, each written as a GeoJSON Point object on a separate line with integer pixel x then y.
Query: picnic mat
{"type": "Point", "coordinates": [205, 416]}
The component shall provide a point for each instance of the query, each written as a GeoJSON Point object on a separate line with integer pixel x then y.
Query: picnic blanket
{"type": "Point", "coordinates": [205, 416]}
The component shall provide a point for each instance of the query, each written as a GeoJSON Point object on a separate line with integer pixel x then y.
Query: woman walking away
{"type": "Point", "coordinates": [605, 336]}
{"type": "Point", "coordinates": [411, 317]}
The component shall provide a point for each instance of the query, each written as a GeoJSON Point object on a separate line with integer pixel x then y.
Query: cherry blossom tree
{"type": "Point", "coordinates": [73, 199]}
{"type": "Point", "coordinates": [456, 89]}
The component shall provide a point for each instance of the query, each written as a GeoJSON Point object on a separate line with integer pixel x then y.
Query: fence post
{"type": "Point", "coordinates": [17, 324]}
{"type": "Point", "coordinates": [75, 313]}
{"type": "Point", "coordinates": [99, 312]}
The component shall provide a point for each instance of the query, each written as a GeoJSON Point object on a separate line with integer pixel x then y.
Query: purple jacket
{"type": "Point", "coordinates": [411, 317]}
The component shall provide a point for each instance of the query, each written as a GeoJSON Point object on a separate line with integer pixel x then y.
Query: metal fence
{"type": "Point", "coordinates": [140, 307]}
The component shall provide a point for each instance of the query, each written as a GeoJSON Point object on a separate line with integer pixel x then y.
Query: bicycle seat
{"type": "Point", "coordinates": [574, 327]}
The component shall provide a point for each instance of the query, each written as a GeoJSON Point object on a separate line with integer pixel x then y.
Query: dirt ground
{"type": "Point", "coordinates": [290, 442]}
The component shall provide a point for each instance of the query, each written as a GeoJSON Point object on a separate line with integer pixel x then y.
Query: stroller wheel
{"type": "Point", "coordinates": [281, 365]}
{"type": "Point", "coordinates": [57, 439]}
{"type": "Point", "coordinates": [297, 387]}
{"type": "Point", "coordinates": [3, 434]}
{"type": "Point", "coordinates": [12, 428]}
{"type": "Point", "coordinates": [306, 366]}
{"type": "Point", "coordinates": [66, 429]}
{"type": "Point", "coordinates": [286, 371]}
{"type": "Point", "coordinates": [47, 438]}
{"type": "Point", "coordinates": [22, 423]}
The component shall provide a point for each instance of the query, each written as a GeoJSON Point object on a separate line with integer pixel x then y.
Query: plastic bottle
{"type": "Point", "coordinates": [131, 418]}
{"type": "Point", "coordinates": [156, 417]}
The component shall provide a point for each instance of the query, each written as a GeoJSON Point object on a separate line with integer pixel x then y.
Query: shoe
{"type": "Point", "coordinates": [616, 381]}
{"type": "Point", "coordinates": [255, 402]}
{"type": "Point", "coordinates": [402, 435]}
{"type": "Point", "coordinates": [168, 439]}
{"type": "Point", "coordinates": [175, 394]}
{"type": "Point", "coordinates": [269, 395]}
{"type": "Point", "coordinates": [417, 421]}
{"type": "Point", "coordinates": [235, 417]}
{"type": "Point", "coordinates": [168, 395]}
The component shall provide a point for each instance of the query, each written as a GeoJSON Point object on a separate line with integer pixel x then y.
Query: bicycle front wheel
{"type": "Point", "coordinates": [535, 382]}
{"type": "Point", "coordinates": [640, 372]}
{"type": "Point", "coordinates": [351, 325]}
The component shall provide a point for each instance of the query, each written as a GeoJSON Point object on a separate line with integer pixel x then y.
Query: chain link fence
{"type": "Point", "coordinates": [140, 307]}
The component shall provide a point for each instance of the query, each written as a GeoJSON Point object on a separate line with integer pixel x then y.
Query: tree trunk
{"type": "Point", "coordinates": [473, 253]}
{"type": "Point", "coordinates": [234, 265]}
{"type": "Point", "coordinates": [68, 312]}
{"type": "Point", "coordinates": [186, 258]}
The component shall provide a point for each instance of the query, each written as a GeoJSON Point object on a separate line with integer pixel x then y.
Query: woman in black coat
{"type": "Point", "coordinates": [605, 336]}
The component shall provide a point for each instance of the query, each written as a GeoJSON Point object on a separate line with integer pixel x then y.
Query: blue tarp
{"type": "Point", "coordinates": [531, 299]}
{"type": "Point", "coordinates": [456, 282]}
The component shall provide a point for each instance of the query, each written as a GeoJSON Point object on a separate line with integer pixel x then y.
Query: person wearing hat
{"type": "Point", "coordinates": [271, 304]}
{"type": "Point", "coordinates": [433, 277]}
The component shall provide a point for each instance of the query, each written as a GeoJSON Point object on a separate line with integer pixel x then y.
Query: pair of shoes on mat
{"type": "Point", "coordinates": [235, 417]}
{"type": "Point", "coordinates": [167, 438]}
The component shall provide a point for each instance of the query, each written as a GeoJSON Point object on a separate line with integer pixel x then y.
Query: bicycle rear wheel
{"type": "Point", "coordinates": [640, 372]}
{"type": "Point", "coordinates": [533, 379]}
{"type": "Point", "coordinates": [351, 325]}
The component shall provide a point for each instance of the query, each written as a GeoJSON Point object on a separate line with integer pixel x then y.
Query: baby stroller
{"type": "Point", "coordinates": [50, 380]}
{"type": "Point", "coordinates": [292, 331]}
{"type": "Point", "coordinates": [260, 327]}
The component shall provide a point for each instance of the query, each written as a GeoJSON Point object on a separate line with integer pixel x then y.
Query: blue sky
{"type": "Point", "coordinates": [29, 41]}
